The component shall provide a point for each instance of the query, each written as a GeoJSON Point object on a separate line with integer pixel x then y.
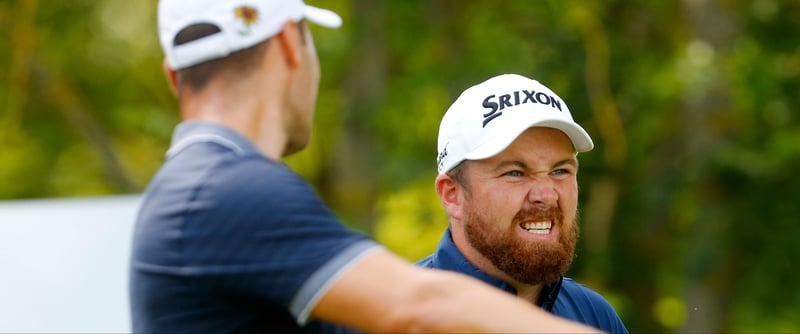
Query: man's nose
{"type": "Point", "coordinates": [542, 192]}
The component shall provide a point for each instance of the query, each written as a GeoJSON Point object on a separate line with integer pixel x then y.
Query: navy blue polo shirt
{"type": "Point", "coordinates": [227, 240]}
{"type": "Point", "coordinates": [565, 298]}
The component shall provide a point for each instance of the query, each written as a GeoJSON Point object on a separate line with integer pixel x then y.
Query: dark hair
{"type": "Point", "coordinates": [236, 64]}
{"type": "Point", "coordinates": [459, 175]}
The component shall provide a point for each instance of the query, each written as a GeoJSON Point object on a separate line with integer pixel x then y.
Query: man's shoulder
{"type": "Point", "coordinates": [581, 303]}
{"type": "Point", "coordinates": [256, 184]}
{"type": "Point", "coordinates": [206, 180]}
{"type": "Point", "coordinates": [211, 166]}
{"type": "Point", "coordinates": [574, 290]}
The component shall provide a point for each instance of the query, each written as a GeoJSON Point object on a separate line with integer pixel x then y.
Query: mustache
{"type": "Point", "coordinates": [549, 213]}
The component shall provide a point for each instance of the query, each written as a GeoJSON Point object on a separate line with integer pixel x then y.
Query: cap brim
{"type": "Point", "coordinates": [323, 17]}
{"type": "Point", "coordinates": [579, 137]}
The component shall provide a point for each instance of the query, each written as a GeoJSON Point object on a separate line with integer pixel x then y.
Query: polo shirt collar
{"type": "Point", "coordinates": [189, 132]}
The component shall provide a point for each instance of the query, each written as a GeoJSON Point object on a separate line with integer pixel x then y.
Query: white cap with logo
{"type": "Point", "coordinates": [488, 117]}
{"type": "Point", "coordinates": [242, 24]}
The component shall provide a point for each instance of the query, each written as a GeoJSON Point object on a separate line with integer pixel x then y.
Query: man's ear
{"type": "Point", "coordinates": [451, 195]}
{"type": "Point", "coordinates": [290, 41]}
{"type": "Point", "coordinates": [172, 77]}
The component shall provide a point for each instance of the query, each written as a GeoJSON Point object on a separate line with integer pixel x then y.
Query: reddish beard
{"type": "Point", "coordinates": [525, 261]}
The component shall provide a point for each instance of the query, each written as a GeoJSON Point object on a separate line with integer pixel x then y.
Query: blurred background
{"type": "Point", "coordinates": [689, 209]}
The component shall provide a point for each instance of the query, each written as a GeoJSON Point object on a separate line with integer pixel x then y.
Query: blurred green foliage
{"type": "Point", "coordinates": [689, 204]}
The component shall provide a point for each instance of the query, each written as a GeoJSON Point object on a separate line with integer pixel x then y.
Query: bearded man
{"type": "Point", "coordinates": [507, 167]}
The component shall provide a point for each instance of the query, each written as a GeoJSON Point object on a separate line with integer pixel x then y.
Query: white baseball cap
{"type": "Point", "coordinates": [242, 24]}
{"type": "Point", "coordinates": [488, 117]}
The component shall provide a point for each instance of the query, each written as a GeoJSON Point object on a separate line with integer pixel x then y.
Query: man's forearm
{"type": "Point", "coordinates": [384, 293]}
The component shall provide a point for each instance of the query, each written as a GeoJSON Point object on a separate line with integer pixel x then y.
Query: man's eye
{"type": "Point", "coordinates": [514, 173]}
{"type": "Point", "coordinates": [561, 171]}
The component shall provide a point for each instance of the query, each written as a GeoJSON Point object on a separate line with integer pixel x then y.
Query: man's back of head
{"type": "Point", "coordinates": [220, 62]}
{"type": "Point", "coordinates": [201, 38]}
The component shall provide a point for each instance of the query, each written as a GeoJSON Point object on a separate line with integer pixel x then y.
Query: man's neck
{"type": "Point", "coordinates": [528, 292]}
{"type": "Point", "coordinates": [251, 115]}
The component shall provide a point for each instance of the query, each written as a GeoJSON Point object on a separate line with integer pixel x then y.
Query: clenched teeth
{"type": "Point", "coordinates": [542, 227]}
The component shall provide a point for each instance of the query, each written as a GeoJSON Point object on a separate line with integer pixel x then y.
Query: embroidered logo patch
{"type": "Point", "coordinates": [247, 16]}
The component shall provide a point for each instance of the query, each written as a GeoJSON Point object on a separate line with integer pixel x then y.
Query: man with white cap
{"type": "Point", "coordinates": [507, 167]}
{"type": "Point", "coordinates": [228, 239]}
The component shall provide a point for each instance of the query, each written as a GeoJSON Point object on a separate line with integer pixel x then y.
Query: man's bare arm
{"type": "Point", "coordinates": [384, 293]}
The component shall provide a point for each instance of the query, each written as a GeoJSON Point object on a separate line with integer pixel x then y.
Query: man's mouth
{"type": "Point", "coordinates": [540, 227]}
